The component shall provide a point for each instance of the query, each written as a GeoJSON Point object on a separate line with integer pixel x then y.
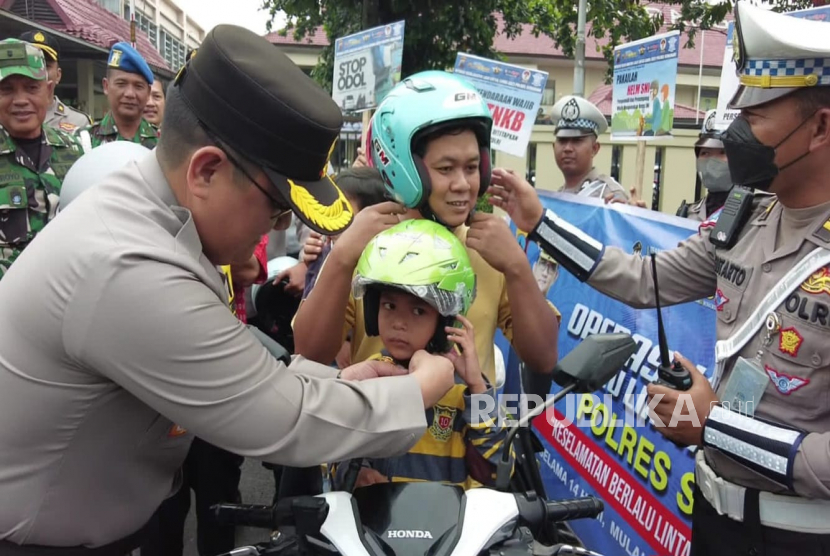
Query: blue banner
{"type": "Point", "coordinates": [604, 444]}
{"type": "Point", "coordinates": [645, 76]}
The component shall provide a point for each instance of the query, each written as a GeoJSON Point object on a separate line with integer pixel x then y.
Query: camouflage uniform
{"type": "Point", "coordinates": [29, 194]}
{"type": "Point", "coordinates": [105, 131]}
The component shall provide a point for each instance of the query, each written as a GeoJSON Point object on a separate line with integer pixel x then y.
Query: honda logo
{"type": "Point", "coordinates": [408, 534]}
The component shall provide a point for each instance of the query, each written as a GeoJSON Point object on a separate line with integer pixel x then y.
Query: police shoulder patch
{"type": "Point", "coordinates": [785, 383]}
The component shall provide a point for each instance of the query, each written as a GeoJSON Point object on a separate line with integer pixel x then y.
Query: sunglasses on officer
{"type": "Point", "coordinates": [280, 208]}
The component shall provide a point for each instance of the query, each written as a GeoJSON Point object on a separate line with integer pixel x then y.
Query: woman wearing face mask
{"type": "Point", "coordinates": [761, 427]}
{"type": "Point", "coordinates": [712, 170]}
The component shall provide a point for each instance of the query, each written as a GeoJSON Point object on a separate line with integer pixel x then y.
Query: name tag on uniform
{"type": "Point", "coordinates": [745, 387]}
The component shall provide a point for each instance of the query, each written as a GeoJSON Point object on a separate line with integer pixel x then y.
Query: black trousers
{"type": "Point", "coordinates": [719, 535]}
{"type": "Point", "coordinates": [295, 481]}
{"type": "Point", "coordinates": [213, 474]}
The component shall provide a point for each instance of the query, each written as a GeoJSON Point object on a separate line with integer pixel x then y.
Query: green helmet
{"type": "Point", "coordinates": [422, 258]}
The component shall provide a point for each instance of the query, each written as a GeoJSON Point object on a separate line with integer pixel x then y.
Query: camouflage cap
{"type": "Point", "coordinates": [21, 58]}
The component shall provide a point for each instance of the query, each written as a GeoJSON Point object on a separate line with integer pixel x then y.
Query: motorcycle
{"type": "Point", "coordinates": [432, 519]}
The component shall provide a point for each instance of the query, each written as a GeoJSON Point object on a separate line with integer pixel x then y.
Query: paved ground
{"type": "Point", "coordinates": [257, 487]}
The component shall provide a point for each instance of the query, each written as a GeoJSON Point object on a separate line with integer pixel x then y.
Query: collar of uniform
{"type": "Point", "coordinates": [146, 129]}
{"type": "Point", "coordinates": [56, 138]}
{"type": "Point", "coordinates": [107, 125]}
{"type": "Point", "coordinates": [591, 176]}
{"type": "Point", "coordinates": [7, 144]}
{"type": "Point", "coordinates": [187, 237]}
{"type": "Point", "coordinates": [57, 106]}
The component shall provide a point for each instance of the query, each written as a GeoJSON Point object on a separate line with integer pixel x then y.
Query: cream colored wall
{"type": "Point", "coordinates": [171, 12]}
{"type": "Point", "coordinates": [303, 57]}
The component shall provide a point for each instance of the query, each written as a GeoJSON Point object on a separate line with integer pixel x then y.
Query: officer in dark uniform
{"type": "Point", "coordinates": [59, 115]}
{"type": "Point", "coordinates": [762, 426]}
{"type": "Point", "coordinates": [127, 87]}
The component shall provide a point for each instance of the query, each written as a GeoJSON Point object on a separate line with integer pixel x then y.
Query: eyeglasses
{"type": "Point", "coordinates": [280, 207]}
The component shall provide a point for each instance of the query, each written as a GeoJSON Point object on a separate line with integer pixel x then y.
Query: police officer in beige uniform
{"type": "Point", "coordinates": [763, 473]}
{"type": "Point", "coordinates": [712, 171]}
{"type": "Point", "coordinates": [118, 345]}
{"type": "Point", "coordinates": [59, 115]}
{"type": "Point", "coordinates": [578, 126]}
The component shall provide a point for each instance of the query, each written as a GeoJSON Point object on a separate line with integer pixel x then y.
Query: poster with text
{"type": "Point", "coordinates": [603, 444]}
{"type": "Point", "coordinates": [366, 67]}
{"type": "Point", "coordinates": [513, 94]}
{"type": "Point", "coordinates": [645, 77]}
{"type": "Point", "coordinates": [729, 72]}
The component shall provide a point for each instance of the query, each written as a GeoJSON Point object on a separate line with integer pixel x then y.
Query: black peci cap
{"type": "Point", "coordinates": [256, 100]}
{"type": "Point", "coordinates": [44, 41]}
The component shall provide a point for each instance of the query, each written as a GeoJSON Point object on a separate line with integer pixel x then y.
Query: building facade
{"type": "Point", "coordinates": [670, 175]}
{"type": "Point", "coordinates": [170, 29]}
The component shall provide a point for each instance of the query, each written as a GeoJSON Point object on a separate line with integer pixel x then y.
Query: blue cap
{"type": "Point", "coordinates": [126, 58]}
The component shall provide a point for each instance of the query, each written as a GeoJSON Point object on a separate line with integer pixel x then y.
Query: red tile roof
{"type": "Point", "coordinates": [316, 38]}
{"type": "Point", "coordinates": [601, 98]}
{"type": "Point", "coordinates": [525, 44]}
{"type": "Point", "coordinates": [91, 22]}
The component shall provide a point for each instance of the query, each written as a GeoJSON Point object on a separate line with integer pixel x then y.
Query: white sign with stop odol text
{"type": "Point", "coordinates": [366, 67]}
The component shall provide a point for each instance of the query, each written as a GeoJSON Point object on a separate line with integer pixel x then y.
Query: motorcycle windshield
{"type": "Point", "coordinates": [410, 519]}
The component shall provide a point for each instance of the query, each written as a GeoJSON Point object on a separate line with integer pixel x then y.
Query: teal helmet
{"type": "Point", "coordinates": [420, 106]}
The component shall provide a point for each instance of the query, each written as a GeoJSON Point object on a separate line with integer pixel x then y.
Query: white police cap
{"type": "Point", "coordinates": [576, 117]}
{"type": "Point", "coordinates": [710, 133]}
{"type": "Point", "coordinates": [777, 54]}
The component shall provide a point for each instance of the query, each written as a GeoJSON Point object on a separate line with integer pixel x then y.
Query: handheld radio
{"type": "Point", "coordinates": [733, 216]}
{"type": "Point", "coordinates": [672, 375]}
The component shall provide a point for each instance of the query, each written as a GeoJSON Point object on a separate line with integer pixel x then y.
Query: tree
{"type": "Point", "coordinates": [437, 29]}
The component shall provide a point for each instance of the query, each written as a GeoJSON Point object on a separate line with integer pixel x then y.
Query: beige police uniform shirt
{"type": "Point", "coordinates": [737, 279]}
{"type": "Point", "coordinates": [697, 211]}
{"type": "Point", "coordinates": [118, 347]}
{"type": "Point", "coordinates": [65, 118]}
{"type": "Point", "coordinates": [597, 185]}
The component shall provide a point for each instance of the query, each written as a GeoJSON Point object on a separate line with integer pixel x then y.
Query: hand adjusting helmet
{"type": "Point", "coordinates": [417, 108]}
{"type": "Point", "coordinates": [421, 258]}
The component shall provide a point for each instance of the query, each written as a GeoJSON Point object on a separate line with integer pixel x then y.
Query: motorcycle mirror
{"type": "Point", "coordinates": [594, 361]}
{"type": "Point", "coordinates": [586, 368]}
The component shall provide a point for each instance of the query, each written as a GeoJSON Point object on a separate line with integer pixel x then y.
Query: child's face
{"type": "Point", "coordinates": [406, 323]}
{"type": "Point", "coordinates": [453, 165]}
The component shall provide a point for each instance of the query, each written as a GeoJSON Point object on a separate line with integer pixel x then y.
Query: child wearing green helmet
{"type": "Point", "coordinates": [431, 144]}
{"type": "Point", "coordinates": [415, 280]}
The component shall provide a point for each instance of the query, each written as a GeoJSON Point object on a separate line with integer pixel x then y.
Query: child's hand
{"type": "Point", "coordinates": [368, 477]}
{"type": "Point", "coordinates": [466, 362]}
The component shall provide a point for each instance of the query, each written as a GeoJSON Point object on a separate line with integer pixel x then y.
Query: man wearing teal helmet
{"type": "Point", "coordinates": [416, 282]}
{"type": "Point", "coordinates": [431, 143]}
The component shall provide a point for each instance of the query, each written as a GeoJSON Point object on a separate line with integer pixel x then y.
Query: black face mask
{"type": "Point", "coordinates": [751, 163]}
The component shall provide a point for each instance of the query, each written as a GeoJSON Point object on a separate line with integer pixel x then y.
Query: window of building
{"type": "Point", "coordinates": [531, 164]}
{"type": "Point", "coordinates": [708, 99]}
{"type": "Point", "coordinates": [171, 49]}
{"type": "Point", "coordinates": [548, 100]}
{"type": "Point", "coordinates": [658, 177]}
{"type": "Point", "coordinates": [616, 161]}
{"type": "Point", "coordinates": [144, 23]}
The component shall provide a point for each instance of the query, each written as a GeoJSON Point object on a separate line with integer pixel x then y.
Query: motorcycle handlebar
{"type": "Point", "coordinates": [565, 510]}
{"type": "Point", "coordinates": [246, 515]}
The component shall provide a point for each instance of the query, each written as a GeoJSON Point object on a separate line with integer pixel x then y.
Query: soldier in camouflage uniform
{"type": "Point", "coordinates": [127, 87]}
{"type": "Point", "coordinates": [33, 156]}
